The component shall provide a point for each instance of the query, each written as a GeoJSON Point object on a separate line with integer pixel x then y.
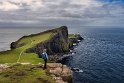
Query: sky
{"type": "Point", "coordinates": [62, 12]}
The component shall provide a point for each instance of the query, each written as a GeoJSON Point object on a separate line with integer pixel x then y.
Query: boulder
{"type": "Point", "coordinates": [61, 73]}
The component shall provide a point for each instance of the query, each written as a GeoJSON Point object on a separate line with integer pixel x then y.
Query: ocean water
{"type": "Point", "coordinates": [100, 55]}
{"type": "Point", "coordinates": [8, 35]}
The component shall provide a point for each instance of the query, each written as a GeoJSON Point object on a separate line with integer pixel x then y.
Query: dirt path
{"type": "Point", "coordinates": [22, 52]}
{"type": "Point", "coordinates": [20, 56]}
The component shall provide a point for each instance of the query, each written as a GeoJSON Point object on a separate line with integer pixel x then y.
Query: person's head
{"type": "Point", "coordinates": [44, 50]}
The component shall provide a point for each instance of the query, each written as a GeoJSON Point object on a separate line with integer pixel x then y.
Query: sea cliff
{"type": "Point", "coordinates": [26, 50]}
{"type": "Point", "coordinates": [59, 43]}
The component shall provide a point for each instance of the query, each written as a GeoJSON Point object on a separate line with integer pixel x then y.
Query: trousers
{"type": "Point", "coordinates": [45, 63]}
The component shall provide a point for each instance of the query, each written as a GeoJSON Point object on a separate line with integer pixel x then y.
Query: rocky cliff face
{"type": "Point", "coordinates": [58, 43]}
{"type": "Point", "coordinates": [60, 73]}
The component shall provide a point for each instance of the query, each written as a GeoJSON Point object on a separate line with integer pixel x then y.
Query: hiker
{"type": "Point", "coordinates": [45, 57]}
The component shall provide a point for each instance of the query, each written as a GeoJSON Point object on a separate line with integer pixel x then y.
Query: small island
{"type": "Point", "coordinates": [22, 64]}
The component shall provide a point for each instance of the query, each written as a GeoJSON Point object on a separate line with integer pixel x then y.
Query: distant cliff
{"type": "Point", "coordinates": [58, 42]}
{"type": "Point", "coordinates": [24, 51]}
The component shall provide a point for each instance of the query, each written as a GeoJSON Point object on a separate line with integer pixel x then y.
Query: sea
{"type": "Point", "coordinates": [100, 55]}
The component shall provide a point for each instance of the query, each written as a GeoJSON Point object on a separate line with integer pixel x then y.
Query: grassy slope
{"type": "Point", "coordinates": [12, 56]}
{"type": "Point", "coordinates": [71, 36]}
{"type": "Point", "coordinates": [25, 74]}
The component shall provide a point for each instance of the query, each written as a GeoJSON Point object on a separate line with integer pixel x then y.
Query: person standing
{"type": "Point", "coordinates": [45, 57]}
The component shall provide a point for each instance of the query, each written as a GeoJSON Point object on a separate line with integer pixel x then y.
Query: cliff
{"type": "Point", "coordinates": [58, 42]}
{"type": "Point", "coordinates": [24, 51]}
{"type": "Point", "coordinates": [23, 73]}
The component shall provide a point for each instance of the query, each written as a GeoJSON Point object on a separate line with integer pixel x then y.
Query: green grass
{"type": "Point", "coordinates": [71, 36]}
{"type": "Point", "coordinates": [30, 41]}
{"type": "Point", "coordinates": [12, 56]}
{"type": "Point", "coordinates": [25, 74]}
{"type": "Point", "coordinates": [27, 42]}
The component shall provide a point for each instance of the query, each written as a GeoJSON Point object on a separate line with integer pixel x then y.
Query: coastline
{"type": "Point", "coordinates": [55, 56]}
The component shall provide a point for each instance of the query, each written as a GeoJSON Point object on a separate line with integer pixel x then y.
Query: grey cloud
{"type": "Point", "coordinates": [63, 12]}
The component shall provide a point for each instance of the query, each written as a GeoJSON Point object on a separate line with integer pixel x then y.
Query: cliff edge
{"type": "Point", "coordinates": [25, 50]}
{"type": "Point", "coordinates": [57, 42]}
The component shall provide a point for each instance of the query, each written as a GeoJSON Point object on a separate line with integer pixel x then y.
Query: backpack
{"type": "Point", "coordinates": [44, 56]}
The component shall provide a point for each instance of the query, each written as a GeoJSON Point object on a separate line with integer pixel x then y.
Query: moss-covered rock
{"type": "Point", "coordinates": [58, 43]}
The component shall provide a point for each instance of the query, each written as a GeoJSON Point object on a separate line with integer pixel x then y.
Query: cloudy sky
{"type": "Point", "coordinates": [62, 12]}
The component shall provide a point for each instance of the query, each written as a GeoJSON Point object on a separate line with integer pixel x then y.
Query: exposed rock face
{"type": "Point", "coordinates": [14, 45]}
{"type": "Point", "coordinates": [61, 73]}
{"type": "Point", "coordinates": [3, 67]}
{"type": "Point", "coordinates": [59, 42]}
{"type": "Point", "coordinates": [75, 40]}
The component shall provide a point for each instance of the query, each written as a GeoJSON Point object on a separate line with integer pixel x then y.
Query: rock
{"type": "Point", "coordinates": [3, 67]}
{"type": "Point", "coordinates": [61, 73]}
{"type": "Point", "coordinates": [58, 43]}
{"type": "Point", "coordinates": [76, 70]}
{"type": "Point", "coordinates": [25, 63]}
{"type": "Point", "coordinates": [15, 44]}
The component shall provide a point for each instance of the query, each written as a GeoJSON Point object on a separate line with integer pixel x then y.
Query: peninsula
{"type": "Point", "coordinates": [22, 62]}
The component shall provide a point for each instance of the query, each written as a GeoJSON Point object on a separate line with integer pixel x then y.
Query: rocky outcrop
{"type": "Point", "coordinates": [3, 67]}
{"type": "Point", "coordinates": [77, 38]}
{"type": "Point", "coordinates": [56, 46]}
{"type": "Point", "coordinates": [15, 45]}
{"type": "Point", "coordinates": [60, 73]}
{"type": "Point", "coordinates": [58, 43]}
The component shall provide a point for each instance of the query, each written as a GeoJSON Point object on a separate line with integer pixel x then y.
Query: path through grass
{"type": "Point", "coordinates": [19, 55]}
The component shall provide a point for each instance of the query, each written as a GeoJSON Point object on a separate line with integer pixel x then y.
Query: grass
{"type": "Point", "coordinates": [31, 40]}
{"type": "Point", "coordinates": [25, 74]}
{"type": "Point", "coordinates": [12, 56]}
{"type": "Point", "coordinates": [71, 36]}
